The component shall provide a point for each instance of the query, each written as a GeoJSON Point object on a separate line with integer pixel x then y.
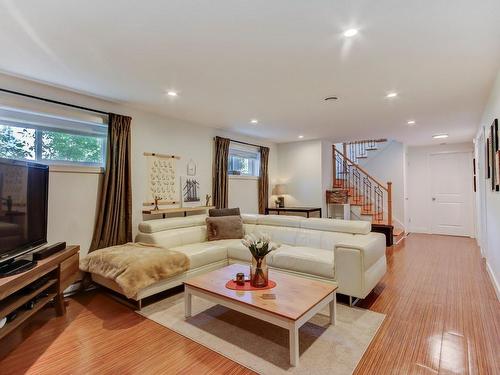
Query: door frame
{"type": "Point", "coordinates": [481, 191]}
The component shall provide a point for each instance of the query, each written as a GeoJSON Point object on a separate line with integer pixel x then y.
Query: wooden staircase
{"type": "Point", "coordinates": [361, 149]}
{"type": "Point", "coordinates": [370, 199]}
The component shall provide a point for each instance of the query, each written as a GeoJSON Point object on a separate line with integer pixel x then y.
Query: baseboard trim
{"type": "Point", "coordinates": [494, 281]}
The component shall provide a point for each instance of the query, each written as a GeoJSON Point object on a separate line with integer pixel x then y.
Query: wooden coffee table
{"type": "Point", "coordinates": [297, 299]}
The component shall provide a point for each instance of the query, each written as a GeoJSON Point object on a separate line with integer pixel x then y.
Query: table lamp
{"type": "Point", "coordinates": [280, 190]}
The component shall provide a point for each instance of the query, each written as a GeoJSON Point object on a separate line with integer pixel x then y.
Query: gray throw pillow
{"type": "Point", "coordinates": [216, 212]}
{"type": "Point", "coordinates": [224, 228]}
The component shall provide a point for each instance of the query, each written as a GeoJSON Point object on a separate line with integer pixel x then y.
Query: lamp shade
{"type": "Point", "coordinates": [279, 189]}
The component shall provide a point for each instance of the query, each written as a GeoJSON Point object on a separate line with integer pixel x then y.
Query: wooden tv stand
{"type": "Point", "coordinates": [61, 270]}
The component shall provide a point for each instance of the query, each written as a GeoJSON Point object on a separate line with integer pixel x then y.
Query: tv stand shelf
{"type": "Point", "coordinates": [24, 315]}
{"type": "Point", "coordinates": [58, 271]}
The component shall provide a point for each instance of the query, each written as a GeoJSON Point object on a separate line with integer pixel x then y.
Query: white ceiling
{"type": "Point", "coordinates": [233, 60]}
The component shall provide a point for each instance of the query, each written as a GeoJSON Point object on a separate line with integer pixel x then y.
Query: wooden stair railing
{"type": "Point", "coordinates": [362, 189]}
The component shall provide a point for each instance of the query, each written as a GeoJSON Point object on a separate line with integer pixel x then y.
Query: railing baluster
{"type": "Point", "coordinates": [363, 188]}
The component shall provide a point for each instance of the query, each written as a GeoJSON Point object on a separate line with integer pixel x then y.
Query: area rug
{"type": "Point", "coordinates": [263, 347]}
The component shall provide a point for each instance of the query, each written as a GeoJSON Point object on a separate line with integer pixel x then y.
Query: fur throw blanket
{"type": "Point", "coordinates": [134, 266]}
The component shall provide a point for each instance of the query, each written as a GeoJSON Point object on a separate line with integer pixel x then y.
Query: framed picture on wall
{"type": "Point", "coordinates": [474, 174]}
{"type": "Point", "coordinates": [492, 157]}
{"type": "Point", "coordinates": [496, 148]}
{"type": "Point", "coordinates": [497, 168]}
{"type": "Point", "coordinates": [190, 192]}
{"type": "Point", "coordinates": [487, 159]}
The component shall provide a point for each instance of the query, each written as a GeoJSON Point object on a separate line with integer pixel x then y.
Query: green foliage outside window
{"type": "Point", "coordinates": [42, 145]}
{"type": "Point", "coordinates": [17, 143]}
{"type": "Point", "coordinates": [70, 147]}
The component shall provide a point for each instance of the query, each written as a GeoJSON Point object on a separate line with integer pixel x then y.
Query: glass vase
{"type": "Point", "coordinates": [259, 273]}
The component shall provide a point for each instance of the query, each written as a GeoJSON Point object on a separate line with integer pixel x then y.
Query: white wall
{"type": "Point", "coordinates": [419, 188]}
{"type": "Point", "coordinates": [490, 200]}
{"type": "Point", "coordinates": [299, 166]}
{"type": "Point", "coordinates": [72, 197]}
{"type": "Point", "coordinates": [389, 165]}
{"type": "Point", "coordinates": [72, 207]}
{"type": "Point", "coordinates": [327, 171]}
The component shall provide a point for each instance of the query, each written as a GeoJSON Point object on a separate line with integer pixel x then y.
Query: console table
{"type": "Point", "coordinates": [304, 210]}
{"type": "Point", "coordinates": [47, 280]}
{"type": "Point", "coordinates": [175, 210]}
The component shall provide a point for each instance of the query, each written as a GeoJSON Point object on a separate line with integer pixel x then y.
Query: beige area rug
{"type": "Point", "coordinates": [263, 347]}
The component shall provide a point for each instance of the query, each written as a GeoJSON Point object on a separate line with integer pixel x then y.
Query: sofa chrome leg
{"type": "Point", "coordinates": [353, 302]}
{"type": "Point", "coordinates": [139, 305]}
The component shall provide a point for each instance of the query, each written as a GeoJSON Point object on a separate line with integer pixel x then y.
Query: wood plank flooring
{"type": "Point", "coordinates": [442, 318]}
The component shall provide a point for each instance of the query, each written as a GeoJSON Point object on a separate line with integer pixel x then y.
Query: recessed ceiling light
{"type": "Point", "coordinates": [411, 122]}
{"type": "Point", "coordinates": [254, 121]}
{"type": "Point", "coordinates": [440, 136]}
{"type": "Point", "coordinates": [392, 95]}
{"type": "Point", "coordinates": [300, 136]}
{"type": "Point", "coordinates": [350, 32]}
{"type": "Point", "coordinates": [172, 93]}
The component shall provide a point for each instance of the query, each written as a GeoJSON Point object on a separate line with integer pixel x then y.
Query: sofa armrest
{"type": "Point", "coordinates": [371, 247]}
{"type": "Point", "coordinates": [360, 263]}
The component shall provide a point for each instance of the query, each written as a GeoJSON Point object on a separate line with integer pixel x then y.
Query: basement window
{"type": "Point", "coordinates": [51, 139]}
{"type": "Point", "coordinates": [243, 160]}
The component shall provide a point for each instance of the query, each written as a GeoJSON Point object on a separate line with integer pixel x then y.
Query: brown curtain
{"type": "Point", "coordinates": [263, 180]}
{"type": "Point", "coordinates": [114, 216]}
{"type": "Point", "coordinates": [220, 179]}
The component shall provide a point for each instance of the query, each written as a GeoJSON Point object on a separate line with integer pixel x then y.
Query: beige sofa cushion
{"type": "Point", "coordinates": [201, 254]}
{"type": "Point", "coordinates": [158, 225]}
{"type": "Point", "coordinates": [308, 260]}
{"type": "Point", "coordinates": [280, 220]}
{"type": "Point", "coordinates": [333, 225]}
{"type": "Point", "coordinates": [236, 250]}
{"type": "Point", "coordinates": [176, 237]}
{"type": "Point", "coordinates": [327, 225]}
{"type": "Point", "coordinates": [280, 235]}
{"type": "Point", "coordinates": [320, 240]}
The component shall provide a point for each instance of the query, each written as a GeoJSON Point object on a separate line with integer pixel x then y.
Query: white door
{"type": "Point", "coordinates": [451, 193]}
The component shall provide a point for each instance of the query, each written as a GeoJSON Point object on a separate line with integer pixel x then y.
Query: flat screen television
{"type": "Point", "coordinates": [24, 188]}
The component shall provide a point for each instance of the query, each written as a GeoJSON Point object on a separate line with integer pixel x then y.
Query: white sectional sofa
{"type": "Point", "coordinates": [338, 251]}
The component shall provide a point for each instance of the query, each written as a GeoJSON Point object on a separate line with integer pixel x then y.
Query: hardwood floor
{"type": "Point", "coordinates": [442, 317]}
{"type": "Point", "coordinates": [442, 312]}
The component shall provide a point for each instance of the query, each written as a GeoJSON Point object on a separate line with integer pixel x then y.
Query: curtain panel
{"type": "Point", "coordinates": [114, 215]}
{"type": "Point", "coordinates": [220, 183]}
{"type": "Point", "coordinates": [264, 180]}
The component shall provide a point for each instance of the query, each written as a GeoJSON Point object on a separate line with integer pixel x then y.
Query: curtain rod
{"type": "Point", "coordinates": [243, 143]}
{"type": "Point", "coordinates": [54, 101]}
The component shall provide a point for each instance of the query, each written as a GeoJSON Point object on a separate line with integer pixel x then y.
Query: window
{"type": "Point", "coordinates": [243, 160]}
{"type": "Point", "coordinates": [52, 139]}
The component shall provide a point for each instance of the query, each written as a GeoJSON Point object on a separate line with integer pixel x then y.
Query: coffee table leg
{"type": "Point", "coordinates": [187, 302]}
{"type": "Point", "coordinates": [294, 345]}
{"type": "Point", "coordinates": [333, 309]}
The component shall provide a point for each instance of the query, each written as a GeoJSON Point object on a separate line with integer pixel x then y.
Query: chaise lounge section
{"type": "Point", "coordinates": [342, 252]}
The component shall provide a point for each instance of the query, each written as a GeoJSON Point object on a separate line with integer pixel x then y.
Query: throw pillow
{"type": "Point", "coordinates": [224, 228]}
{"type": "Point", "coordinates": [216, 212]}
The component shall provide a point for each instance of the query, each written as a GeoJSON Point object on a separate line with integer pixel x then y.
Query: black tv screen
{"type": "Point", "coordinates": [24, 190]}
